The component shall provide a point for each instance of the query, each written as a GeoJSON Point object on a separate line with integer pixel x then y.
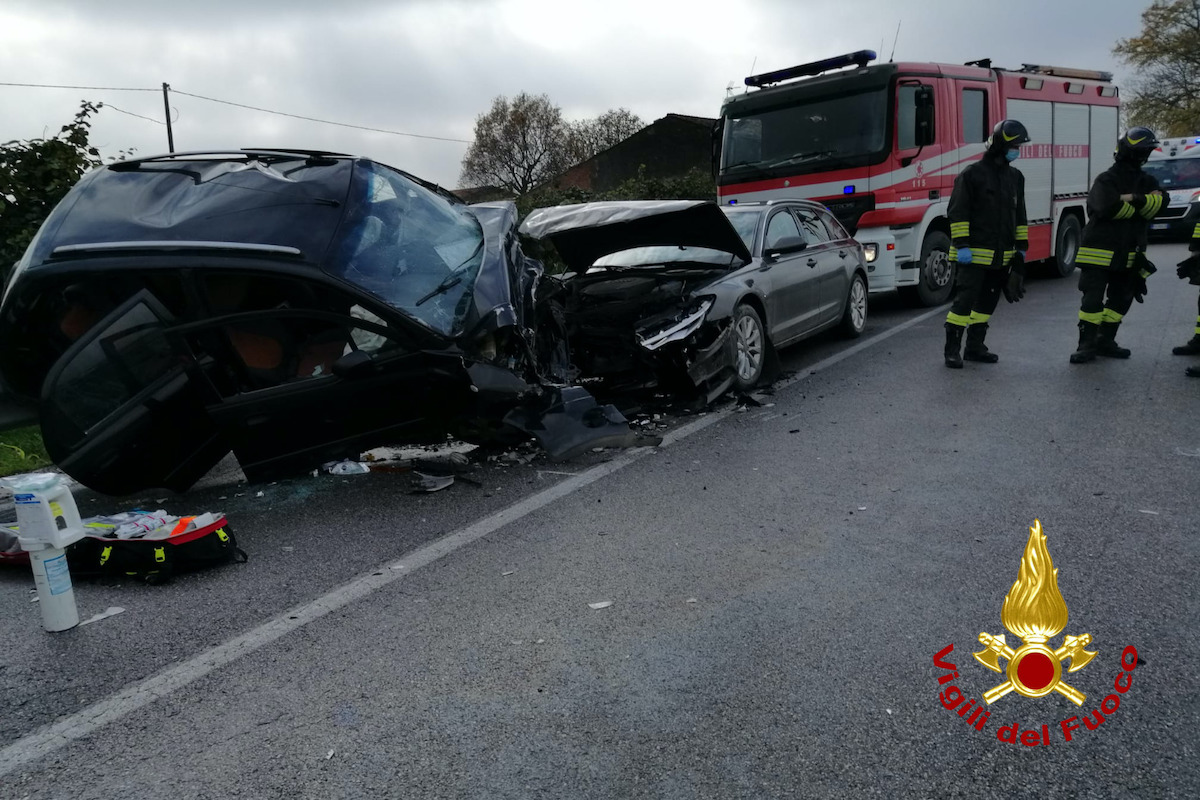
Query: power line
{"type": "Point", "coordinates": [325, 121]}
{"type": "Point", "coordinates": [93, 88]}
{"type": "Point", "coordinates": [130, 113]}
{"type": "Point", "coordinates": [237, 105]}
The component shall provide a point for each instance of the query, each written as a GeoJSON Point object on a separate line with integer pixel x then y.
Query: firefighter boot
{"type": "Point", "coordinates": [1192, 348]}
{"type": "Point", "coordinates": [954, 337]}
{"type": "Point", "coordinates": [976, 350]}
{"type": "Point", "coordinates": [1106, 342]}
{"type": "Point", "coordinates": [1086, 351]}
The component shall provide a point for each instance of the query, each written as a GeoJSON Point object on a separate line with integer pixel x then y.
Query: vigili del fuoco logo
{"type": "Point", "coordinates": [1034, 611]}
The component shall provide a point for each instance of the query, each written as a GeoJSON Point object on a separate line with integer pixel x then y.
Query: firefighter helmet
{"type": "Point", "coordinates": [1007, 135]}
{"type": "Point", "coordinates": [1136, 145]}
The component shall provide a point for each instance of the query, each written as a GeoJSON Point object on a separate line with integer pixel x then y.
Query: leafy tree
{"type": "Point", "coordinates": [518, 144]}
{"type": "Point", "coordinates": [34, 176]}
{"type": "Point", "coordinates": [1166, 94]}
{"type": "Point", "coordinates": [590, 136]}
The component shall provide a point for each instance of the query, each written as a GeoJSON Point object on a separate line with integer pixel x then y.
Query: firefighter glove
{"type": "Point", "coordinates": [965, 256]}
{"type": "Point", "coordinates": [1014, 289]}
{"type": "Point", "coordinates": [1140, 290]}
{"type": "Point", "coordinates": [1189, 269]}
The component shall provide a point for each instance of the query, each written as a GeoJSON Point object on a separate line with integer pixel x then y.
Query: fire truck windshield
{"type": "Point", "coordinates": [807, 135]}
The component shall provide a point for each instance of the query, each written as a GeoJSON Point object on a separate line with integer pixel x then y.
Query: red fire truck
{"type": "Point", "coordinates": [881, 144]}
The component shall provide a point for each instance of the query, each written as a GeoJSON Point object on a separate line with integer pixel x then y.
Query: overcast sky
{"type": "Point", "coordinates": [431, 67]}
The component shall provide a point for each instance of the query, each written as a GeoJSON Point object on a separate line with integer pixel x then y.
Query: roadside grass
{"type": "Point", "coordinates": [21, 450]}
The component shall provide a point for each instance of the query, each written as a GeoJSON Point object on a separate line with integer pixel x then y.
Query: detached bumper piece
{"type": "Point", "coordinates": [568, 422]}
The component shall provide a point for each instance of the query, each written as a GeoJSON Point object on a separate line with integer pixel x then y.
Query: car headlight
{"type": "Point", "coordinates": [870, 252]}
{"type": "Point", "coordinates": [680, 327]}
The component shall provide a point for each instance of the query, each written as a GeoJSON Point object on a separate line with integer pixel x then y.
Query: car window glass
{"type": "Point", "coordinates": [745, 223]}
{"type": "Point", "coordinates": [130, 354]}
{"type": "Point", "coordinates": [414, 249]}
{"type": "Point", "coordinates": [780, 227]}
{"type": "Point", "coordinates": [836, 231]}
{"type": "Point", "coordinates": [278, 345]}
{"type": "Point", "coordinates": [815, 231]}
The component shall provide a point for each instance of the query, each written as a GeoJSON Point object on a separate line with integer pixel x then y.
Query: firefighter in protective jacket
{"type": "Point", "coordinates": [990, 232]}
{"type": "Point", "coordinates": [1122, 201]}
{"type": "Point", "coordinates": [1189, 270]}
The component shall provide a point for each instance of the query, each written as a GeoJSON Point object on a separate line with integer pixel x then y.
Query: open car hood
{"type": "Point", "coordinates": [586, 232]}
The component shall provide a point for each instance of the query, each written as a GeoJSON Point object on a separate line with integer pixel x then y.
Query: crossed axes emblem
{"type": "Point", "coordinates": [1072, 648]}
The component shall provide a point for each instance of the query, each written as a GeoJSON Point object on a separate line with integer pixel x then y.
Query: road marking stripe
{"type": "Point", "coordinates": [134, 696]}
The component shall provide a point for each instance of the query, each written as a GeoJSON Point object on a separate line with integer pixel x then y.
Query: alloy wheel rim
{"type": "Point", "coordinates": [858, 305]}
{"type": "Point", "coordinates": [749, 348]}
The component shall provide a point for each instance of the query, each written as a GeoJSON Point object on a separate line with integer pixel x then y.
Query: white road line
{"type": "Point", "coordinates": [134, 696]}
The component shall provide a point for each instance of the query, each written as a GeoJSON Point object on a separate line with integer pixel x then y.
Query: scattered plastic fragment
{"type": "Point", "coordinates": [260, 494]}
{"type": "Point", "coordinates": [506, 574]}
{"type": "Point", "coordinates": [692, 600]}
{"type": "Point", "coordinates": [111, 611]}
{"type": "Point", "coordinates": [329, 755]}
{"type": "Point", "coordinates": [862, 508]}
{"type": "Point", "coordinates": [600, 604]}
{"type": "Point", "coordinates": [1147, 511]}
{"type": "Point", "coordinates": [345, 467]}
{"type": "Point", "coordinates": [430, 483]}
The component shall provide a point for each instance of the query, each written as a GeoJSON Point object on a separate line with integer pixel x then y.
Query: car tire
{"type": "Point", "coordinates": [751, 346]}
{"type": "Point", "coordinates": [1066, 246]}
{"type": "Point", "coordinates": [854, 315]}
{"type": "Point", "coordinates": [935, 280]}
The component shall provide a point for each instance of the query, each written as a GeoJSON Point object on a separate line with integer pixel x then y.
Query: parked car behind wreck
{"type": "Point", "coordinates": [694, 297]}
{"type": "Point", "coordinates": [294, 307]}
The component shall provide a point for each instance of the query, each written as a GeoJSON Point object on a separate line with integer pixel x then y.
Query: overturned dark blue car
{"type": "Point", "coordinates": [294, 307]}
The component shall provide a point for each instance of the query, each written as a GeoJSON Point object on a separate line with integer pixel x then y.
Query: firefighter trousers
{"type": "Point", "coordinates": [977, 292]}
{"type": "Point", "coordinates": [1095, 283]}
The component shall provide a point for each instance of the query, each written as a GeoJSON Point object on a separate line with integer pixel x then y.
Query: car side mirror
{"type": "Point", "coordinates": [785, 246]}
{"type": "Point", "coordinates": [354, 364]}
{"type": "Point", "coordinates": [924, 134]}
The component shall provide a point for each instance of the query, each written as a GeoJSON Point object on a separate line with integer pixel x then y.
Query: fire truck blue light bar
{"type": "Point", "coordinates": [848, 189]}
{"type": "Point", "coordinates": [814, 68]}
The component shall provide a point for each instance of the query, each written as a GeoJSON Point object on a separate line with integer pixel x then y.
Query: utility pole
{"type": "Point", "coordinates": [167, 111]}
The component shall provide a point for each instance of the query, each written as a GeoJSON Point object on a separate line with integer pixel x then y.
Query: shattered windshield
{"type": "Point", "coordinates": [1182, 173]}
{"type": "Point", "coordinates": [807, 134]}
{"type": "Point", "coordinates": [413, 249]}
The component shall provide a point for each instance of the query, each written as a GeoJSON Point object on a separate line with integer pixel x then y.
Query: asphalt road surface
{"type": "Point", "coordinates": [779, 581]}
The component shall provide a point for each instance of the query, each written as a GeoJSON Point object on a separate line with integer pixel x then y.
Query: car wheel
{"type": "Point", "coordinates": [936, 280]}
{"type": "Point", "coordinates": [1066, 246]}
{"type": "Point", "coordinates": [751, 347]}
{"type": "Point", "coordinates": [854, 317]}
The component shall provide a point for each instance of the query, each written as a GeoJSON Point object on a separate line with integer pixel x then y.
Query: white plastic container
{"type": "Point", "coordinates": [48, 521]}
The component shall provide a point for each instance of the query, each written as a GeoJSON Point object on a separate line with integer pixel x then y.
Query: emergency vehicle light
{"type": "Point", "coordinates": [1068, 72]}
{"type": "Point", "coordinates": [813, 68]}
{"type": "Point", "coordinates": [850, 189]}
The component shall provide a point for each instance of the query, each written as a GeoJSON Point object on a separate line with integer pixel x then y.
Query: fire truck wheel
{"type": "Point", "coordinates": [936, 280]}
{"type": "Point", "coordinates": [1066, 246]}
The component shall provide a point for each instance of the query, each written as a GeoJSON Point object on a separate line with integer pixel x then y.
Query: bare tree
{"type": "Point", "coordinates": [1166, 93]}
{"type": "Point", "coordinates": [588, 137]}
{"type": "Point", "coordinates": [518, 144]}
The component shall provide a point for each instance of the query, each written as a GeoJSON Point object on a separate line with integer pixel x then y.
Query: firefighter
{"type": "Point", "coordinates": [990, 233]}
{"type": "Point", "coordinates": [1122, 201]}
{"type": "Point", "coordinates": [1189, 270]}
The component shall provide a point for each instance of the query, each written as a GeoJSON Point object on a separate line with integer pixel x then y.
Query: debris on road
{"type": "Point", "coordinates": [601, 604]}
{"type": "Point", "coordinates": [344, 467]}
{"type": "Point", "coordinates": [111, 611]}
{"type": "Point", "coordinates": [422, 483]}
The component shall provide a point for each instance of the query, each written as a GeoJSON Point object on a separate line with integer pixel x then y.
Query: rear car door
{"type": "Point", "coordinates": [123, 409]}
{"type": "Point", "coordinates": [832, 261]}
{"type": "Point", "coordinates": [794, 295]}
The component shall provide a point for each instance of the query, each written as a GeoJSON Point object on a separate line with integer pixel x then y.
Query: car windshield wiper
{"type": "Point", "coordinates": [453, 279]}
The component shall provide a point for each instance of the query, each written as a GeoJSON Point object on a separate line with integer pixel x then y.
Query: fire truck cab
{"type": "Point", "coordinates": [881, 144]}
{"type": "Point", "coordinates": [1176, 166]}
